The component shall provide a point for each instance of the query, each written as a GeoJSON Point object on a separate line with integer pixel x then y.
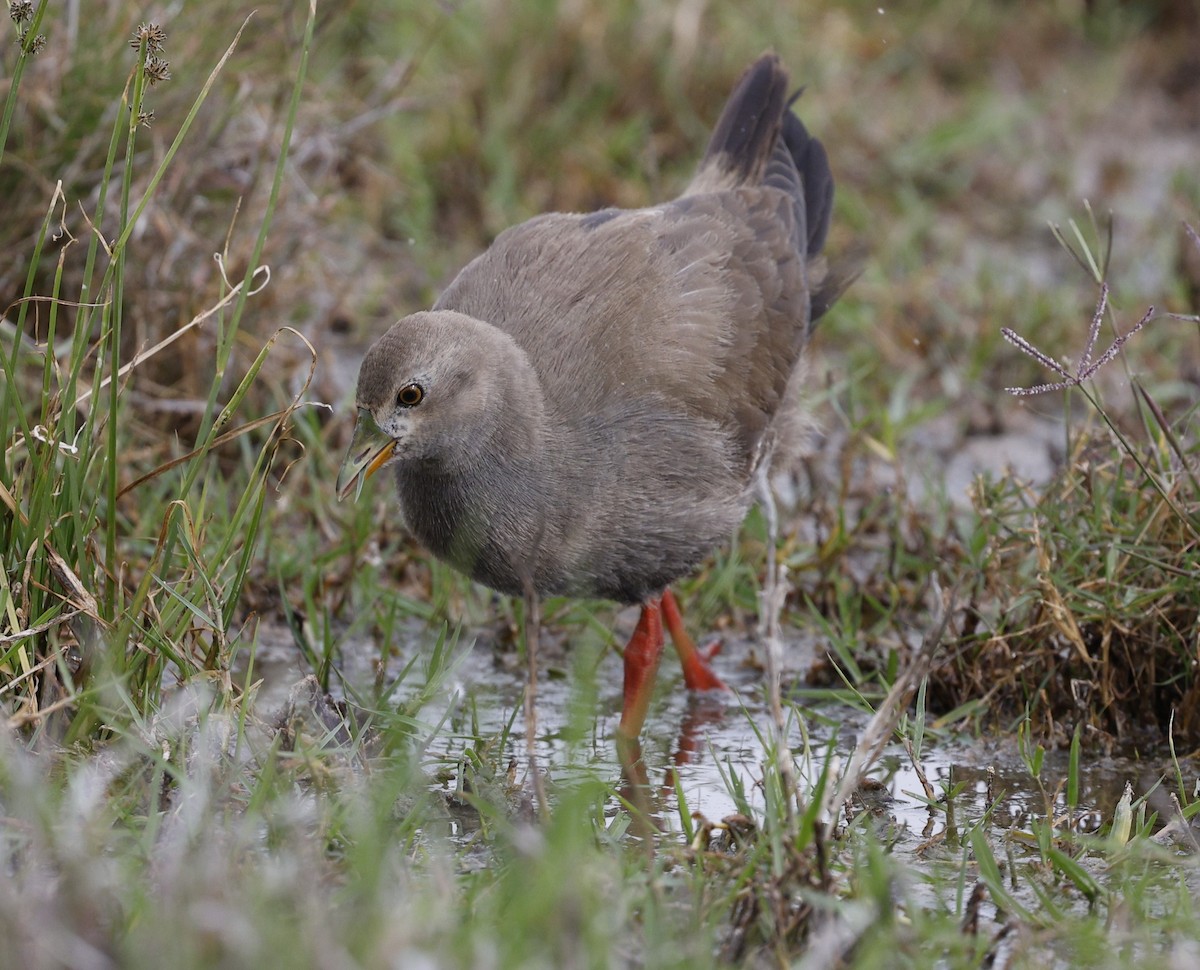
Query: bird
{"type": "Point", "coordinates": [589, 405]}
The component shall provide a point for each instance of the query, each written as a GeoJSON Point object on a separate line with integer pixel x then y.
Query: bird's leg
{"type": "Point", "coordinates": [642, 654]}
{"type": "Point", "coordinates": [697, 674]}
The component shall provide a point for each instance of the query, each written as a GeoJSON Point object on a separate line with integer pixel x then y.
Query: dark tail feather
{"type": "Point", "coordinates": [745, 133]}
{"type": "Point", "coordinates": [816, 180]}
{"type": "Point", "coordinates": [758, 141]}
{"type": "Point", "coordinates": [808, 160]}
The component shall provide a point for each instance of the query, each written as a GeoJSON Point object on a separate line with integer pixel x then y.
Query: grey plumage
{"type": "Point", "coordinates": [596, 391]}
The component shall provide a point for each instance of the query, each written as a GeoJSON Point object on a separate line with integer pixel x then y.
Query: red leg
{"type": "Point", "coordinates": [697, 674]}
{"type": "Point", "coordinates": [641, 664]}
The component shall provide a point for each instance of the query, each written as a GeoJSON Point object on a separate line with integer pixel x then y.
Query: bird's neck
{"type": "Point", "coordinates": [509, 428]}
{"type": "Point", "coordinates": [482, 512]}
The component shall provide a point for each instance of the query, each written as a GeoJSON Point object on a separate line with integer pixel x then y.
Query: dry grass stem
{"type": "Point", "coordinates": [1085, 370]}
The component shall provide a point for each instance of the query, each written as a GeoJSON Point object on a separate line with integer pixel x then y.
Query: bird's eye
{"type": "Point", "coordinates": [410, 395]}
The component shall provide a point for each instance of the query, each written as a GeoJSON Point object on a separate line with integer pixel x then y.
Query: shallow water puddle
{"type": "Point", "coordinates": [712, 743]}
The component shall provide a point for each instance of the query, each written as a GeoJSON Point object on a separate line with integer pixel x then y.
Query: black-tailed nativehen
{"type": "Point", "coordinates": [589, 405]}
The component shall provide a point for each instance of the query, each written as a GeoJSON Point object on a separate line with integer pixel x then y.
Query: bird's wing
{"type": "Point", "coordinates": [702, 302]}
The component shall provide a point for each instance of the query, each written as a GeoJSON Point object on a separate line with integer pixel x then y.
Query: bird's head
{"type": "Point", "coordinates": [433, 388]}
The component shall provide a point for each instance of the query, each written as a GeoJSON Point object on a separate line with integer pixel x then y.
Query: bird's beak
{"type": "Point", "coordinates": [369, 451]}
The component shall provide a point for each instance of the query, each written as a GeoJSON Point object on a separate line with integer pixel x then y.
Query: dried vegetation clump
{"type": "Point", "coordinates": [1089, 613]}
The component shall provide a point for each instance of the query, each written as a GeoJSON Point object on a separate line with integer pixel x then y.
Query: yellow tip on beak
{"type": "Point", "coordinates": [370, 449]}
